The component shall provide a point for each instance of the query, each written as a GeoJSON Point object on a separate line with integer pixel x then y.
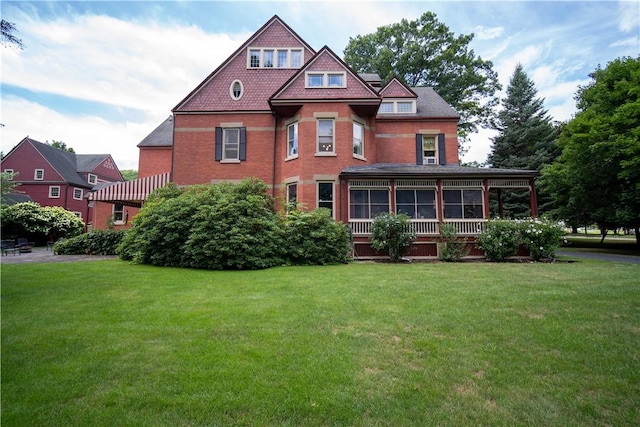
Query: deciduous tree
{"type": "Point", "coordinates": [425, 52]}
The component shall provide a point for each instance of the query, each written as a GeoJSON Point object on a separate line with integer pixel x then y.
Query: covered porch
{"type": "Point", "coordinates": [430, 195]}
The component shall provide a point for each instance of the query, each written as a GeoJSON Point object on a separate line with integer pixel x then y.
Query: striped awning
{"type": "Point", "coordinates": [131, 193]}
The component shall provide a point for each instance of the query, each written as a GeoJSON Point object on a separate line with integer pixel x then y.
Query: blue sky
{"type": "Point", "coordinates": [101, 75]}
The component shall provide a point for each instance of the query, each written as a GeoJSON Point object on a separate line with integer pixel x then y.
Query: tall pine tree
{"type": "Point", "coordinates": [526, 140]}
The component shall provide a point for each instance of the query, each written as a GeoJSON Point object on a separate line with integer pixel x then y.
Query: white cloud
{"type": "Point", "coordinates": [86, 134]}
{"type": "Point", "coordinates": [629, 16]}
{"type": "Point", "coordinates": [488, 33]}
{"type": "Point", "coordinates": [104, 59]}
{"type": "Point", "coordinates": [631, 42]}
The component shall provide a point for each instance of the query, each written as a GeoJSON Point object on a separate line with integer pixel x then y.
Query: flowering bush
{"type": "Point", "coordinates": [500, 239]}
{"type": "Point", "coordinates": [392, 232]}
{"type": "Point", "coordinates": [541, 237]}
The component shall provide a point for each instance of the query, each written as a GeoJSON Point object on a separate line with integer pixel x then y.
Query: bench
{"type": "Point", "coordinates": [9, 246]}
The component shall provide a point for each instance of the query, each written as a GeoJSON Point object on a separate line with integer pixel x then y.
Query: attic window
{"type": "Point", "coordinates": [92, 179]}
{"type": "Point", "coordinates": [236, 90]}
{"type": "Point", "coordinates": [274, 58]}
{"type": "Point", "coordinates": [325, 79]}
{"type": "Point", "coordinates": [398, 106]}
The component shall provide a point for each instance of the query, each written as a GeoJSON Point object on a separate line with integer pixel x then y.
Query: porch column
{"type": "Point", "coordinates": [440, 212]}
{"type": "Point", "coordinates": [485, 195]}
{"type": "Point", "coordinates": [533, 199]}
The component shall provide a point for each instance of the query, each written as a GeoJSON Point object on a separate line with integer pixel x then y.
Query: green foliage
{"type": "Point", "coordinates": [8, 183]}
{"type": "Point", "coordinates": [392, 232]}
{"type": "Point", "coordinates": [541, 237]}
{"type": "Point", "coordinates": [526, 140]}
{"type": "Point", "coordinates": [597, 176]}
{"type": "Point", "coordinates": [229, 226]}
{"type": "Point", "coordinates": [450, 247]}
{"type": "Point", "coordinates": [425, 52]}
{"type": "Point", "coordinates": [237, 229]}
{"type": "Point", "coordinates": [96, 242]}
{"type": "Point", "coordinates": [61, 145]}
{"type": "Point", "coordinates": [29, 217]}
{"type": "Point", "coordinates": [129, 174]}
{"type": "Point", "coordinates": [315, 238]}
{"type": "Point", "coordinates": [62, 223]}
{"type": "Point", "coordinates": [500, 239]}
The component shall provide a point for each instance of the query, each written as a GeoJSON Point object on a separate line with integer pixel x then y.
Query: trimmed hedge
{"type": "Point", "coordinates": [96, 242]}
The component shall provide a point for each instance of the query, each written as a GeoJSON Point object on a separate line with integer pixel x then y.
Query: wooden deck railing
{"type": "Point", "coordinates": [465, 227]}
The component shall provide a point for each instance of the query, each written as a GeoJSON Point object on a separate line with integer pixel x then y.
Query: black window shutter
{"type": "Point", "coordinates": [218, 143]}
{"type": "Point", "coordinates": [419, 153]}
{"type": "Point", "coordinates": [243, 144]}
{"type": "Point", "coordinates": [442, 155]}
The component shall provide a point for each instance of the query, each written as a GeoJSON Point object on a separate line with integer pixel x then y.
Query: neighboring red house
{"type": "Point", "coordinates": [322, 135]}
{"type": "Point", "coordinates": [54, 177]}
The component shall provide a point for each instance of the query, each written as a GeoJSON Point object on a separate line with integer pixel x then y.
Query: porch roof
{"type": "Point", "coordinates": [393, 170]}
{"type": "Point", "coordinates": [130, 193]}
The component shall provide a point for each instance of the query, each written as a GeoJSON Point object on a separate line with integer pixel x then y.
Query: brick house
{"type": "Point", "coordinates": [54, 177]}
{"type": "Point", "coordinates": [319, 134]}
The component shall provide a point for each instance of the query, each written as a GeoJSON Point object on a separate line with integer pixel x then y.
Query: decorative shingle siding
{"type": "Point", "coordinates": [395, 89]}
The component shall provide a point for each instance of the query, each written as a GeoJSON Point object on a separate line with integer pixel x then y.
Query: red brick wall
{"type": "Point", "coordinates": [102, 212]}
{"type": "Point", "coordinates": [194, 148]}
{"type": "Point", "coordinates": [154, 161]}
{"type": "Point", "coordinates": [396, 140]}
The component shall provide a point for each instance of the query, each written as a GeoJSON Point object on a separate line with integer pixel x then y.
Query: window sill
{"type": "Point", "coordinates": [325, 154]}
{"type": "Point", "coordinates": [364, 159]}
{"type": "Point", "coordinates": [230, 161]}
{"type": "Point", "coordinates": [291, 158]}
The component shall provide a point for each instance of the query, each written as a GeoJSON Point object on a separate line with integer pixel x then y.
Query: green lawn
{"type": "Point", "coordinates": [108, 343]}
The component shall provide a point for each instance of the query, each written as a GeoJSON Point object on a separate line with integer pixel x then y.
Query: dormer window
{"type": "Point", "coordinates": [92, 179]}
{"type": "Point", "coordinates": [398, 106]}
{"type": "Point", "coordinates": [274, 58]}
{"type": "Point", "coordinates": [236, 90]}
{"type": "Point", "coordinates": [325, 79]}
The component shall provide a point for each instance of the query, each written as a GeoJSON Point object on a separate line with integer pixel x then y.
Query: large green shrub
{"type": "Point", "coordinates": [96, 242]}
{"type": "Point", "coordinates": [450, 247]}
{"type": "Point", "coordinates": [237, 229]}
{"type": "Point", "coordinates": [392, 232]}
{"type": "Point", "coordinates": [27, 218]}
{"type": "Point", "coordinates": [500, 239]}
{"type": "Point", "coordinates": [313, 238]}
{"type": "Point", "coordinates": [541, 237]}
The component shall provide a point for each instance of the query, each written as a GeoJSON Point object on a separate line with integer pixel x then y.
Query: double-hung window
{"type": "Point", "coordinates": [38, 175]}
{"type": "Point", "coordinates": [283, 58]}
{"type": "Point", "coordinates": [54, 192]}
{"type": "Point", "coordinates": [77, 193]}
{"type": "Point", "coordinates": [325, 196]}
{"type": "Point", "coordinates": [231, 144]}
{"type": "Point", "coordinates": [358, 139]}
{"type": "Point", "coordinates": [292, 196]}
{"type": "Point", "coordinates": [462, 204]}
{"type": "Point", "coordinates": [429, 150]}
{"type": "Point", "coordinates": [367, 203]}
{"type": "Point", "coordinates": [292, 140]}
{"type": "Point", "coordinates": [92, 179]}
{"type": "Point", "coordinates": [325, 136]}
{"type": "Point", "coordinates": [416, 203]}
{"type": "Point", "coordinates": [118, 213]}
{"type": "Point", "coordinates": [318, 79]}
{"type": "Point", "coordinates": [9, 174]}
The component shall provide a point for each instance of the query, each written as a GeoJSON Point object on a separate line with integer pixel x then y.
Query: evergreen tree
{"type": "Point", "coordinates": [526, 140]}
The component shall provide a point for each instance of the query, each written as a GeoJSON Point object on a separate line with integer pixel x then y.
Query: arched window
{"type": "Point", "coordinates": [236, 89]}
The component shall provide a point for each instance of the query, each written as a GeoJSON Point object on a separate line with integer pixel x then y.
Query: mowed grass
{"type": "Point", "coordinates": [366, 344]}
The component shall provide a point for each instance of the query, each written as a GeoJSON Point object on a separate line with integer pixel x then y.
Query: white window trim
{"type": "Point", "coordinates": [35, 175]}
{"type": "Point", "coordinates": [224, 142]}
{"type": "Point", "coordinates": [425, 160]}
{"type": "Point", "coordinates": [75, 190]}
{"type": "Point", "coordinates": [231, 93]}
{"type": "Point", "coordinates": [92, 179]}
{"type": "Point", "coordinates": [333, 136]}
{"type": "Point", "coordinates": [325, 79]}
{"type": "Point", "coordinates": [395, 102]}
{"type": "Point", "coordinates": [275, 50]}
{"type": "Point", "coordinates": [297, 142]}
{"type": "Point", "coordinates": [359, 156]}
{"type": "Point", "coordinates": [9, 173]}
{"type": "Point", "coordinates": [51, 188]}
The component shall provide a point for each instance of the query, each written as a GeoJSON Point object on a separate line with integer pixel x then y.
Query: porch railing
{"type": "Point", "coordinates": [465, 227]}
